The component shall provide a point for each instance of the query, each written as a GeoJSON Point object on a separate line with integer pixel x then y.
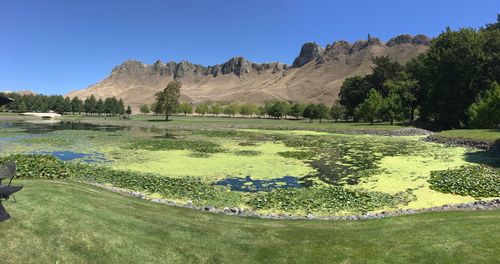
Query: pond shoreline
{"type": "Point", "coordinates": [493, 204]}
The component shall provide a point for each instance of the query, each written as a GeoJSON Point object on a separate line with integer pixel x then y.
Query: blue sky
{"type": "Point", "coordinates": [53, 47]}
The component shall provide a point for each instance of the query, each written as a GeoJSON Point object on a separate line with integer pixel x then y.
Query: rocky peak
{"type": "Point", "coordinates": [407, 38]}
{"type": "Point", "coordinates": [236, 65]}
{"type": "Point", "coordinates": [421, 40]}
{"type": "Point", "coordinates": [129, 66]}
{"type": "Point", "coordinates": [309, 51]}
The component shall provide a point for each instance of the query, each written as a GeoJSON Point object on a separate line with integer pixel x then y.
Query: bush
{"type": "Point", "coordinates": [477, 181]}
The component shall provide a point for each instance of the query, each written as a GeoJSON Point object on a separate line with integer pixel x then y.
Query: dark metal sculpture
{"type": "Point", "coordinates": [8, 171]}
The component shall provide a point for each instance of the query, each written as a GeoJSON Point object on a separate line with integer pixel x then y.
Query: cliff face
{"type": "Point", "coordinates": [315, 75]}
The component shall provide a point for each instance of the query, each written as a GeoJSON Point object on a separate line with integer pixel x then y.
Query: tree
{"type": "Point", "coordinates": [77, 105]}
{"type": "Point", "coordinates": [144, 109]}
{"type": "Point", "coordinates": [310, 112]}
{"type": "Point", "coordinates": [391, 108]}
{"type": "Point", "coordinates": [279, 109]}
{"type": "Point", "coordinates": [67, 108]}
{"type": "Point", "coordinates": [185, 108]}
{"type": "Point", "coordinates": [369, 110]}
{"type": "Point", "coordinates": [129, 110]}
{"type": "Point", "coordinates": [202, 109]}
{"type": "Point", "coordinates": [384, 69]}
{"type": "Point", "coordinates": [322, 111]}
{"type": "Point", "coordinates": [109, 107]}
{"type": "Point", "coordinates": [120, 107]}
{"type": "Point", "coordinates": [90, 105]}
{"type": "Point", "coordinates": [99, 107]}
{"type": "Point", "coordinates": [232, 109]}
{"type": "Point", "coordinates": [485, 112]}
{"type": "Point", "coordinates": [337, 111]}
{"type": "Point", "coordinates": [406, 88]}
{"type": "Point", "coordinates": [453, 72]}
{"type": "Point", "coordinates": [215, 109]}
{"type": "Point", "coordinates": [22, 107]}
{"type": "Point", "coordinates": [297, 110]}
{"type": "Point", "coordinates": [167, 100]}
{"type": "Point", "coordinates": [249, 109]}
{"type": "Point", "coordinates": [352, 93]}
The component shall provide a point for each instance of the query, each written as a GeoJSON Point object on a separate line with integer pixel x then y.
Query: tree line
{"type": "Point", "coordinates": [454, 84]}
{"type": "Point", "coordinates": [167, 103]}
{"type": "Point", "coordinates": [65, 105]}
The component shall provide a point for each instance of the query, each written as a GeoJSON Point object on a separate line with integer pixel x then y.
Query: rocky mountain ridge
{"type": "Point", "coordinates": [315, 75]}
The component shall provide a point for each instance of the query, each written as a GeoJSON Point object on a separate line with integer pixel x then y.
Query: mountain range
{"type": "Point", "coordinates": [316, 74]}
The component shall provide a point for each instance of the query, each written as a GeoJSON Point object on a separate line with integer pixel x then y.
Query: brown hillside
{"type": "Point", "coordinates": [315, 76]}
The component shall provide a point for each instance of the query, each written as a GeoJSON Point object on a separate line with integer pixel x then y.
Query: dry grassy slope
{"type": "Point", "coordinates": [319, 80]}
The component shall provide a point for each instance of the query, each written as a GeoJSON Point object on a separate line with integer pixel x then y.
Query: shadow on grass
{"type": "Point", "coordinates": [159, 120]}
{"type": "Point", "coordinates": [486, 157]}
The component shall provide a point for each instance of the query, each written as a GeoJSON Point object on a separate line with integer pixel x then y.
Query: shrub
{"type": "Point", "coordinates": [477, 181]}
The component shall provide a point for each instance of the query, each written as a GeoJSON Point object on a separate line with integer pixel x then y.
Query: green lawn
{"type": "Point", "coordinates": [206, 121]}
{"type": "Point", "coordinates": [477, 134]}
{"type": "Point", "coordinates": [63, 222]}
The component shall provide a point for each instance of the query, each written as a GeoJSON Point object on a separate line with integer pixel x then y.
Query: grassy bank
{"type": "Point", "coordinates": [489, 135]}
{"type": "Point", "coordinates": [75, 223]}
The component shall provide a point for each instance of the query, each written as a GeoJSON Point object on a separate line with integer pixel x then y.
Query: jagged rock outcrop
{"type": "Point", "coordinates": [407, 38]}
{"type": "Point", "coordinates": [309, 52]}
{"type": "Point", "coordinates": [421, 40]}
{"type": "Point", "coordinates": [315, 75]}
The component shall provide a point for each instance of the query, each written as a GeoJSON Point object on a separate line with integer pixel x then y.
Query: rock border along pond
{"type": "Point", "coordinates": [493, 204]}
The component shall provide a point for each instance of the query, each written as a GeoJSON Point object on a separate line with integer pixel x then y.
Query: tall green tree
{"type": "Point", "coordinates": [352, 93]}
{"type": "Point", "coordinates": [297, 110]}
{"type": "Point", "coordinates": [99, 107]}
{"type": "Point", "coordinates": [310, 112]}
{"type": "Point", "coordinates": [168, 100]}
{"type": "Point", "coordinates": [369, 110]}
{"type": "Point", "coordinates": [485, 112]}
{"type": "Point", "coordinates": [322, 111]}
{"type": "Point", "coordinates": [90, 105]}
{"type": "Point", "coordinates": [337, 111]}
{"type": "Point", "coordinates": [451, 74]}
{"type": "Point", "coordinates": [77, 105]}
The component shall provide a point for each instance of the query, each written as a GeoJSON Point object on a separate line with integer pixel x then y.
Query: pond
{"type": "Point", "coordinates": [248, 184]}
{"type": "Point", "coordinates": [250, 161]}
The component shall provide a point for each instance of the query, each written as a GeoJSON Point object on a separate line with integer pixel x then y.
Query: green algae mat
{"type": "Point", "coordinates": [263, 169]}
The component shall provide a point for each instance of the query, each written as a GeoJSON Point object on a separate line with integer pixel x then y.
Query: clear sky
{"type": "Point", "coordinates": [53, 47]}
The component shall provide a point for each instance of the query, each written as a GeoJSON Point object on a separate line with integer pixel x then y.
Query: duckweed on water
{"type": "Point", "coordinates": [300, 155]}
{"type": "Point", "coordinates": [171, 144]}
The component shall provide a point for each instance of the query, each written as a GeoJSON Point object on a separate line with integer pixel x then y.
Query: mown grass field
{"type": "Point", "coordinates": [490, 135]}
{"type": "Point", "coordinates": [201, 121]}
{"type": "Point", "coordinates": [64, 222]}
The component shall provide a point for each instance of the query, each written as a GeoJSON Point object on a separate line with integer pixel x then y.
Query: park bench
{"type": "Point", "coordinates": [7, 172]}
